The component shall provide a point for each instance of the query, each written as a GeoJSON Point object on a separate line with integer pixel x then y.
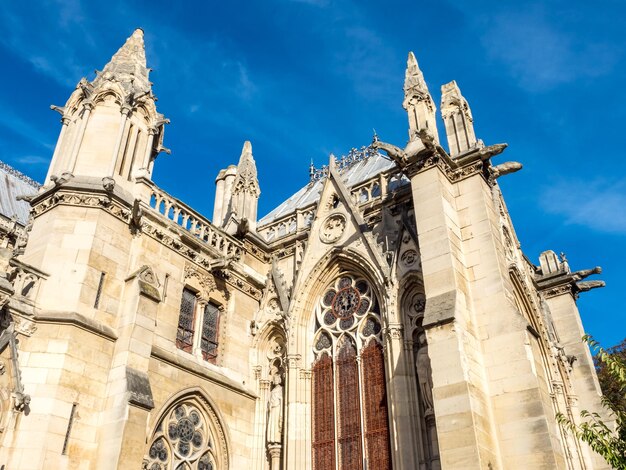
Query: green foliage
{"type": "Point", "coordinates": [610, 443]}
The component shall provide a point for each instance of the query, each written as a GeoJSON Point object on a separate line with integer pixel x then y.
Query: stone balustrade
{"type": "Point", "coordinates": [199, 226]}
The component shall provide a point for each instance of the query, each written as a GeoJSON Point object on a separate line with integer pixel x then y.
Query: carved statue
{"type": "Point", "coordinates": [275, 412]}
{"type": "Point", "coordinates": [424, 375]}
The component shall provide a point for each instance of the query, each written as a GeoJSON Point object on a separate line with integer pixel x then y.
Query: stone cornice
{"type": "Point", "coordinates": [177, 360]}
{"type": "Point", "coordinates": [77, 320]}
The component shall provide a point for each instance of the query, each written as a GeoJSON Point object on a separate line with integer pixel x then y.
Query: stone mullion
{"type": "Point", "coordinates": [197, 326]}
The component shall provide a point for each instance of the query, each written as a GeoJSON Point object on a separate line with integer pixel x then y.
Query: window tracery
{"type": "Point", "coordinates": [350, 416]}
{"type": "Point", "coordinates": [183, 441]}
{"type": "Point", "coordinates": [196, 314]}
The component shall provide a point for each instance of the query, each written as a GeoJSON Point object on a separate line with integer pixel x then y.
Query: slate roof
{"type": "Point", "coordinates": [13, 184]}
{"type": "Point", "coordinates": [354, 174]}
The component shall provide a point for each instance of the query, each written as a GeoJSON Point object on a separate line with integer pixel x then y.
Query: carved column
{"type": "Point", "coordinates": [274, 451]}
{"type": "Point", "coordinates": [65, 121]}
{"type": "Point", "coordinates": [297, 449]}
{"type": "Point", "coordinates": [88, 106]}
{"type": "Point", "coordinates": [120, 135]}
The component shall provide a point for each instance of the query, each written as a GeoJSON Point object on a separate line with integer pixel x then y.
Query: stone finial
{"type": "Point", "coordinates": [458, 120]}
{"type": "Point", "coordinates": [417, 101]}
{"type": "Point", "coordinates": [413, 77]}
{"type": "Point", "coordinates": [241, 197]}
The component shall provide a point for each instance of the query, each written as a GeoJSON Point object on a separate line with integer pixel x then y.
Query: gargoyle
{"type": "Point", "coordinates": [108, 184]}
{"type": "Point", "coordinates": [58, 109]}
{"type": "Point", "coordinates": [583, 273]}
{"type": "Point", "coordinates": [421, 141]}
{"type": "Point", "coordinates": [585, 286]}
{"type": "Point", "coordinates": [221, 264]}
{"type": "Point", "coordinates": [243, 227]}
{"type": "Point", "coordinates": [64, 178]}
{"type": "Point", "coordinates": [135, 216]}
{"type": "Point", "coordinates": [160, 149]}
{"type": "Point", "coordinates": [504, 168]}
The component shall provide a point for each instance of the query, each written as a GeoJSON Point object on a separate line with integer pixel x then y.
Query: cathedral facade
{"type": "Point", "coordinates": [383, 317]}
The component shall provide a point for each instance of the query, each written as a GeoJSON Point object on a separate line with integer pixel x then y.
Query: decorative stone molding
{"type": "Point", "coordinates": [558, 290]}
{"type": "Point", "coordinates": [333, 228]}
{"type": "Point", "coordinates": [147, 281]}
{"type": "Point", "coordinates": [207, 283]}
{"type": "Point", "coordinates": [394, 332]}
{"type": "Point", "coordinates": [23, 326]}
{"type": "Point", "coordinates": [409, 258]}
{"type": "Point", "coordinates": [293, 360]}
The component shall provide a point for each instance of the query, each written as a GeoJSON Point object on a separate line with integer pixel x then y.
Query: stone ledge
{"type": "Point", "coordinates": [78, 320]}
{"type": "Point", "coordinates": [191, 367]}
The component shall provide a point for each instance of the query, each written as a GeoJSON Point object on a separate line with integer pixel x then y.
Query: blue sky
{"type": "Point", "coordinates": [303, 78]}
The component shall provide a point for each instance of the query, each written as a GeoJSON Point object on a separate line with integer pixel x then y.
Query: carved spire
{"type": "Point", "coordinates": [458, 120]}
{"type": "Point", "coordinates": [418, 102]}
{"type": "Point", "coordinates": [246, 179]}
{"type": "Point", "coordinates": [101, 142]}
{"type": "Point", "coordinates": [245, 190]}
{"type": "Point", "coordinates": [128, 65]}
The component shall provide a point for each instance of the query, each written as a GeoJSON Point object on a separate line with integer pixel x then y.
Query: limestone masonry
{"type": "Point", "coordinates": [383, 317]}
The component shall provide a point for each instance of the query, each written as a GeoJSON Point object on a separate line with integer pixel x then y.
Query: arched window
{"type": "Point", "coordinates": [187, 437]}
{"type": "Point", "coordinates": [198, 314]}
{"type": "Point", "coordinates": [350, 419]}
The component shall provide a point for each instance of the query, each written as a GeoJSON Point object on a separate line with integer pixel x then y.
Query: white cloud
{"type": "Point", "coordinates": [33, 160]}
{"type": "Point", "coordinates": [540, 54]}
{"type": "Point", "coordinates": [599, 205]}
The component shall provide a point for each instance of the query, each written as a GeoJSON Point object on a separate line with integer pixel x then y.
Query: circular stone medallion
{"type": "Point", "coordinates": [333, 228]}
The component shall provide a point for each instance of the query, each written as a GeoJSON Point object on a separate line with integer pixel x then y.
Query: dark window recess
{"type": "Point", "coordinates": [69, 428]}
{"type": "Point", "coordinates": [210, 329]}
{"type": "Point", "coordinates": [184, 335]}
{"type": "Point", "coordinates": [99, 291]}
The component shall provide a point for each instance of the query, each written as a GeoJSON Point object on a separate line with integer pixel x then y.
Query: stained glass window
{"type": "Point", "coordinates": [184, 335]}
{"type": "Point", "coordinates": [210, 324]}
{"type": "Point", "coordinates": [350, 416]}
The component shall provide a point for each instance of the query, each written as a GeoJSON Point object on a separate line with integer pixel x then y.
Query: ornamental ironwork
{"type": "Point", "coordinates": [345, 161]}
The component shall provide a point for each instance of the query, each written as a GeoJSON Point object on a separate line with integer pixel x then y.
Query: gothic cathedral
{"type": "Point", "coordinates": [383, 317]}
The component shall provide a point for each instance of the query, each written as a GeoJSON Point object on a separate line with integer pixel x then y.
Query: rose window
{"type": "Point", "coordinates": [345, 303]}
{"type": "Point", "coordinates": [182, 442]}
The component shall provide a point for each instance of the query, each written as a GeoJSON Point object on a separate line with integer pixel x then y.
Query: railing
{"type": "Point", "coordinates": [190, 220]}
